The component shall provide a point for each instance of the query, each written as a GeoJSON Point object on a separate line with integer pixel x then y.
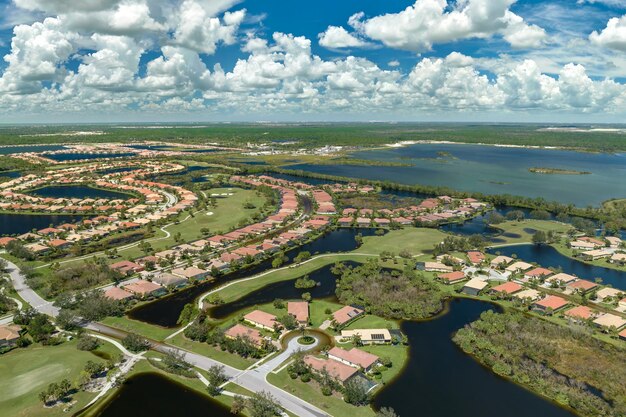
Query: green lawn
{"type": "Point", "coordinates": [26, 372]}
{"type": "Point", "coordinates": [134, 326]}
{"type": "Point", "coordinates": [563, 249]}
{"type": "Point", "coordinates": [207, 350]}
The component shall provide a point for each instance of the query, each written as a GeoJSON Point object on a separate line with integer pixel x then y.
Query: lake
{"type": "Point", "coordinates": [78, 191]}
{"type": "Point", "coordinates": [493, 170]}
{"type": "Point", "coordinates": [165, 311]}
{"type": "Point", "coordinates": [549, 257]}
{"type": "Point", "coordinates": [154, 395]}
{"type": "Point", "coordinates": [83, 155]}
{"type": "Point", "coordinates": [440, 380]}
{"type": "Point", "coordinates": [12, 224]}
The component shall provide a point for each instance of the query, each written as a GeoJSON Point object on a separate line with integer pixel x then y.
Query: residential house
{"type": "Point", "coordinates": [261, 319]}
{"type": "Point", "coordinates": [126, 267]}
{"type": "Point", "coordinates": [580, 313]}
{"type": "Point", "coordinates": [170, 280]}
{"type": "Point", "coordinates": [338, 370]}
{"type": "Point", "coordinates": [354, 357]}
{"type": "Point", "coordinates": [118, 294]}
{"type": "Point", "coordinates": [507, 288]}
{"type": "Point", "coordinates": [475, 257]}
{"type": "Point", "coordinates": [608, 321]}
{"type": "Point", "coordinates": [346, 314]}
{"type": "Point", "coordinates": [500, 261]}
{"type": "Point", "coordinates": [474, 286]}
{"type": "Point", "coordinates": [518, 266]}
{"type": "Point", "coordinates": [550, 304]}
{"type": "Point", "coordinates": [144, 288]}
{"type": "Point", "coordinates": [300, 310]}
{"type": "Point", "coordinates": [437, 267]}
{"type": "Point", "coordinates": [241, 331]}
{"type": "Point", "coordinates": [537, 273]}
{"type": "Point", "coordinates": [191, 273]}
{"type": "Point", "coordinates": [452, 277]}
{"type": "Point", "coordinates": [9, 334]}
{"type": "Point", "coordinates": [369, 336]}
{"type": "Point", "coordinates": [581, 286]}
{"type": "Point", "coordinates": [528, 294]}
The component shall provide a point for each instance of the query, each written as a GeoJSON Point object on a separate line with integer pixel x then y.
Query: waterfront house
{"type": "Point", "coordinates": [262, 319]}
{"type": "Point", "coordinates": [474, 286]}
{"type": "Point", "coordinates": [582, 245]}
{"type": "Point", "coordinates": [363, 221]}
{"type": "Point", "coordinates": [518, 266]}
{"type": "Point", "coordinates": [191, 273]}
{"type": "Point", "coordinates": [118, 294]}
{"type": "Point", "coordinates": [169, 280]}
{"type": "Point", "coordinates": [338, 370]}
{"type": "Point", "coordinates": [452, 277]}
{"type": "Point", "coordinates": [244, 332]}
{"type": "Point", "coordinates": [592, 255]}
{"type": "Point", "coordinates": [507, 288]}
{"type": "Point", "coordinates": [300, 310]}
{"type": "Point", "coordinates": [143, 288]}
{"type": "Point", "coordinates": [618, 258]}
{"type": "Point", "coordinates": [354, 357]}
{"type": "Point", "coordinates": [368, 336]}
{"type": "Point", "coordinates": [550, 304]}
{"type": "Point", "coordinates": [346, 314]}
{"type": "Point", "coordinates": [608, 321]}
{"type": "Point", "coordinates": [614, 241]}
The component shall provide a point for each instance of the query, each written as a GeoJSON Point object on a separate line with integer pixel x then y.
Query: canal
{"type": "Point", "coordinates": [16, 224]}
{"type": "Point", "coordinates": [165, 311]}
{"type": "Point", "coordinates": [549, 257]}
{"type": "Point", "coordinates": [78, 191]}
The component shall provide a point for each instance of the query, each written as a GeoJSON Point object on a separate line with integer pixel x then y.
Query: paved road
{"type": "Point", "coordinates": [254, 381]}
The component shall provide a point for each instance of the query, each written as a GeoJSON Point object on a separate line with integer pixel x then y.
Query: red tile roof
{"type": "Point", "coordinates": [508, 287]}
{"type": "Point", "coordinates": [552, 301]}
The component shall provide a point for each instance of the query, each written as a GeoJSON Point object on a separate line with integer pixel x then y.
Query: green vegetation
{"type": "Point", "coordinates": [376, 201]}
{"type": "Point", "coordinates": [559, 171]}
{"type": "Point", "coordinates": [397, 295]}
{"type": "Point", "coordinates": [562, 363]}
{"type": "Point", "coordinates": [25, 372]}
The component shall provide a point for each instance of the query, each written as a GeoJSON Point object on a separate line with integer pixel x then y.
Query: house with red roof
{"type": "Point", "coordinates": [549, 304]}
{"type": "Point", "coordinates": [452, 277]}
{"type": "Point", "coordinates": [340, 371]}
{"type": "Point", "coordinates": [241, 331]}
{"type": "Point", "coordinates": [507, 288]}
{"type": "Point", "coordinates": [580, 313]}
{"type": "Point", "coordinates": [346, 314]}
{"type": "Point", "coordinates": [537, 273]}
{"type": "Point", "coordinates": [582, 286]}
{"type": "Point", "coordinates": [354, 357]}
{"type": "Point", "coordinates": [475, 257]}
{"type": "Point", "coordinates": [300, 310]}
{"type": "Point", "coordinates": [262, 319]}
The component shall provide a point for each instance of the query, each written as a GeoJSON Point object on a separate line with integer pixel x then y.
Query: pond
{"type": "Point", "coordinates": [440, 380]}
{"type": "Point", "coordinates": [84, 155]}
{"type": "Point", "coordinates": [285, 290]}
{"type": "Point", "coordinates": [16, 224]}
{"type": "Point", "coordinates": [10, 174]}
{"type": "Point", "coordinates": [493, 170]}
{"type": "Point", "coordinates": [549, 257]}
{"type": "Point", "coordinates": [154, 395]}
{"type": "Point", "coordinates": [165, 312]}
{"type": "Point", "coordinates": [78, 191]}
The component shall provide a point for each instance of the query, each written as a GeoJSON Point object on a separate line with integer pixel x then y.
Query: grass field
{"type": "Point", "coordinates": [134, 326]}
{"type": "Point", "coordinates": [26, 372]}
{"type": "Point", "coordinates": [414, 240]}
{"type": "Point", "coordinates": [524, 230]}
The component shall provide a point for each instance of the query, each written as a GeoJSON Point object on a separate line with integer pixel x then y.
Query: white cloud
{"type": "Point", "coordinates": [612, 3]}
{"type": "Point", "coordinates": [613, 36]}
{"type": "Point", "coordinates": [338, 37]}
{"type": "Point", "coordinates": [394, 63]}
{"type": "Point", "coordinates": [428, 22]}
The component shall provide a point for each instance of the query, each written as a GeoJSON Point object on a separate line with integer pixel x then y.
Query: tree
{"type": "Point", "coordinates": [288, 321]}
{"type": "Point", "coordinates": [306, 296]}
{"type": "Point", "coordinates": [494, 218]}
{"type": "Point", "coordinates": [216, 377]}
{"type": "Point", "coordinates": [302, 256]}
{"type": "Point", "coordinates": [135, 343]}
{"type": "Point", "coordinates": [263, 404]}
{"type": "Point", "coordinates": [188, 313]}
{"type": "Point", "coordinates": [355, 392]}
{"type": "Point", "coordinates": [539, 237]}
{"type": "Point", "coordinates": [40, 328]}
{"type": "Point", "coordinates": [67, 319]}
{"type": "Point", "coordinates": [94, 368]}
{"type": "Point", "coordinates": [87, 343]}
{"type": "Point", "coordinates": [238, 405]}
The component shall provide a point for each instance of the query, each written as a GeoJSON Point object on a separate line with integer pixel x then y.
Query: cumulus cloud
{"type": "Point", "coordinates": [613, 36]}
{"type": "Point", "coordinates": [428, 22]}
{"type": "Point", "coordinates": [338, 37]}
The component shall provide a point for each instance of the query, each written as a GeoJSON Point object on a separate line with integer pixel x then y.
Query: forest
{"type": "Point", "coordinates": [565, 364]}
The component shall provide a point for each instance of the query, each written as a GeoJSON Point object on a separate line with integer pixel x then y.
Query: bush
{"type": "Point", "coordinates": [87, 343]}
{"type": "Point", "coordinates": [327, 391]}
{"type": "Point", "coordinates": [305, 378]}
{"type": "Point", "coordinates": [135, 343]}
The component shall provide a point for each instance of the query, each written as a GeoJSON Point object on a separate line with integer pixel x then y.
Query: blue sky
{"type": "Point", "coordinates": [490, 60]}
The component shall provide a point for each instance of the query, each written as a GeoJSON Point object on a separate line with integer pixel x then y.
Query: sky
{"type": "Point", "coordinates": [553, 61]}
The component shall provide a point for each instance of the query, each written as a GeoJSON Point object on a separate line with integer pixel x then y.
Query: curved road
{"type": "Point", "coordinates": [251, 379]}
